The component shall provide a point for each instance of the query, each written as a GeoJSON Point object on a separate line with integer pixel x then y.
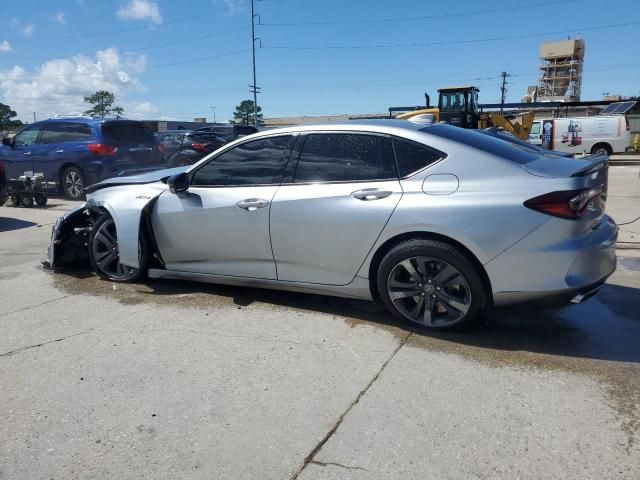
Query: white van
{"type": "Point", "coordinates": [600, 134]}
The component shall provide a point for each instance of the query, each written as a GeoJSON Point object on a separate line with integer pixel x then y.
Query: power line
{"type": "Point", "coordinates": [132, 29]}
{"type": "Point", "coordinates": [452, 42]}
{"type": "Point", "coordinates": [409, 19]}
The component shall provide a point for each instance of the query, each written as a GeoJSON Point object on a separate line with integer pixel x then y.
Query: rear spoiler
{"type": "Point", "coordinates": [599, 162]}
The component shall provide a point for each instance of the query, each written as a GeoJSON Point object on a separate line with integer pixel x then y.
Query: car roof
{"type": "Point", "coordinates": [390, 126]}
{"type": "Point", "coordinates": [83, 119]}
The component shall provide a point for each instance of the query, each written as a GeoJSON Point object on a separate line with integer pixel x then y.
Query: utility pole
{"type": "Point", "coordinates": [503, 89]}
{"type": "Point", "coordinates": [214, 114]}
{"type": "Point", "coordinates": [254, 88]}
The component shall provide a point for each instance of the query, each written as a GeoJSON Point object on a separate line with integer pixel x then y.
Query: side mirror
{"type": "Point", "coordinates": [178, 183]}
{"type": "Point", "coordinates": [7, 141]}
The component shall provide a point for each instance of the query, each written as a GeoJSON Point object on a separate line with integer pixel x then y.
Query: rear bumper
{"type": "Point", "coordinates": [547, 270]}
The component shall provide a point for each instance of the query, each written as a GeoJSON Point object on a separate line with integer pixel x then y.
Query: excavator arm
{"type": "Point", "coordinates": [519, 130]}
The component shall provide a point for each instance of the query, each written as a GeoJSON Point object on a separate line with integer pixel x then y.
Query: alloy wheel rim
{"type": "Point", "coordinates": [429, 291]}
{"type": "Point", "coordinates": [106, 253]}
{"type": "Point", "coordinates": [73, 183]}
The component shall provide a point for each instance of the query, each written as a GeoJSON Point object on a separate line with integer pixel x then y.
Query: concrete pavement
{"type": "Point", "coordinates": [183, 380]}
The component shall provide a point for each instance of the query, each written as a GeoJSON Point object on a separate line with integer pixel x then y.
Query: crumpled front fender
{"type": "Point", "coordinates": [126, 204]}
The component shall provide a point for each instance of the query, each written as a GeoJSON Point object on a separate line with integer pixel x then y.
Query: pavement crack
{"type": "Point", "coordinates": [325, 464]}
{"type": "Point", "coordinates": [33, 306]}
{"type": "Point", "coordinates": [310, 458]}
{"type": "Point", "coordinates": [12, 352]}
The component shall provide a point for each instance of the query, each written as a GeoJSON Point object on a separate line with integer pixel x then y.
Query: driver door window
{"type": "Point", "coordinates": [27, 136]}
{"type": "Point", "coordinates": [260, 162]}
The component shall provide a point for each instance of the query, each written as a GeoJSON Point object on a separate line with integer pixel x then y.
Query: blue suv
{"type": "Point", "coordinates": [75, 152]}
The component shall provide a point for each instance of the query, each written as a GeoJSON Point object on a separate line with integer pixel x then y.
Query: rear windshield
{"type": "Point", "coordinates": [486, 143]}
{"type": "Point", "coordinates": [202, 137]}
{"type": "Point", "coordinates": [123, 131]}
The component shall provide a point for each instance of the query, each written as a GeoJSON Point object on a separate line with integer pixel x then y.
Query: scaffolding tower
{"type": "Point", "coordinates": [561, 71]}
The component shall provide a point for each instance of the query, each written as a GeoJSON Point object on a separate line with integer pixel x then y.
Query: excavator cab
{"type": "Point", "coordinates": [459, 106]}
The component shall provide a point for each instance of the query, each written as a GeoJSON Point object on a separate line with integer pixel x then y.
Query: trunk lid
{"type": "Point", "coordinates": [553, 166]}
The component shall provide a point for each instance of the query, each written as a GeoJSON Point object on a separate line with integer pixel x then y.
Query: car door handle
{"type": "Point", "coordinates": [252, 204]}
{"type": "Point", "coordinates": [368, 194]}
{"type": "Point", "coordinates": [60, 151]}
{"type": "Point", "coordinates": [27, 153]}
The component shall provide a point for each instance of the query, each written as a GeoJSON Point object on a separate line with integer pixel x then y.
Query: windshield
{"type": "Point", "coordinates": [452, 101]}
{"type": "Point", "coordinates": [486, 142]}
{"type": "Point", "coordinates": [124, 131]}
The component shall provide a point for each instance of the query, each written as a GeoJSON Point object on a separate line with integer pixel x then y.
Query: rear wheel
{"type": "Point", "coordinates": [601, 149]}
{"type": "Point", "coordinates": [72, 181]}
{"type": "Point", "coordinates": [430, 284]}
{"type": "Point", "coordinates": [41, 199]}
{"type": "Point", "coordinates": [104, 253]}
{"type": "Point", "coordinates": [26, 201]}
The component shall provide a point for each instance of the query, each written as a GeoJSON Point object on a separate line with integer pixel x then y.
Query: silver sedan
{"type": "Point", "coordinates": [436, 222]}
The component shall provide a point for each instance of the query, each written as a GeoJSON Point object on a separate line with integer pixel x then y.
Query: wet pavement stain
{"type": "Point", "coordinates": [599, 339]}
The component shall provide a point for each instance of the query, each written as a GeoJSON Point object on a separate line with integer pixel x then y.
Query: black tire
{"type": "Point", "coordinates": [443, 278]}
{"type": "Point", "coordinates": [99, 253]}
{"type": "Point", "coordinates": [15, 200]}
{"type": "Point", "coordinates": [26, 201]}
{"type": "Point", "coordinates": [41, 199]}
{"type": "Point", "coordinates": [601, 148]}
{"type": "Point", "coordinates": [72, 183]}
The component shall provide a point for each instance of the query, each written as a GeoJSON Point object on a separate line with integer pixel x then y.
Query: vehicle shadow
{"type": "Point", "coordinates": [9, 224]}
{"type": "Point", "coordinates": [606, 327]}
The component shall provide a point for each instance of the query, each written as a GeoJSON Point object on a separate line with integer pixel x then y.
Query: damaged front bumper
{"type": "Point", "coordinates": [69, 239]}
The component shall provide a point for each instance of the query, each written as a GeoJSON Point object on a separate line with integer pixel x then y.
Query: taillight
{"type": "Point", "coordinates": [101, 149]}
{"type": "Point", "coordinates": [162, 148]}
{"type": "Point", "coordinates": [569, 204]}
{"type": "Point", "coordinates": [201, 147]}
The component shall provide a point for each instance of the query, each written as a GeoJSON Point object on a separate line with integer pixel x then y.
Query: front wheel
{"type": "Point", "coordinates": [430, 284]}
{"type": "Point", "coordinates": [104, 253]}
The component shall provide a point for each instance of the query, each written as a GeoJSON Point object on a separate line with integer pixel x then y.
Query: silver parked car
{"type": "Point", "coordinates": [436, 222]}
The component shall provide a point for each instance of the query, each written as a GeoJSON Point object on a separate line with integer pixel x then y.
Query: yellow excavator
{"type": "Point", "coordinates": [459, 106]}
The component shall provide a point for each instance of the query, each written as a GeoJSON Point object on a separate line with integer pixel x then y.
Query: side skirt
{"type": "Point", "coordinates": [357, 289]}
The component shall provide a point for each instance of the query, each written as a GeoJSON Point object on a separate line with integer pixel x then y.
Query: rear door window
{"type": "Point", "coordinates": [122, 131]}
{"type": "Point", "coordinates": [53, 133]}
{"type": "Point", "coordinates": [412, 158]}
{"type": "Point", "coordinates": [345, 157]}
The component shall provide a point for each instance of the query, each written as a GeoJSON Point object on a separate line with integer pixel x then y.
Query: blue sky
{"type": "Point", "coordinates": [176, 59]}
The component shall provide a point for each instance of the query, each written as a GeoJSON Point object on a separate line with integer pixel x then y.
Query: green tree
{"type": "Point", "coordinates": [102, 102]}
{"type": "Point", "coordinates": [6, 116]}
{"type": "Point", "coordinates": [244, 113]}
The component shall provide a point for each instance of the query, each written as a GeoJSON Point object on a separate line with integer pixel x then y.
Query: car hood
{"type": "Point", "coordinates": [148, 177]}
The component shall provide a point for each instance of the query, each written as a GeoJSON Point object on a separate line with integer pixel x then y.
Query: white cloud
{"type": "Point", "coordinates": [60, 18]}
{"type": "Point", "coordinates": [5, 47]}
{"type": "Point", "coordinates": [140, 10]}
{"type": "Point", "coordinates": [27, 30]}
{"type": "Point", "coordinates": [233, 6]}
{"type": "Point", "coordinates": [57, 87]}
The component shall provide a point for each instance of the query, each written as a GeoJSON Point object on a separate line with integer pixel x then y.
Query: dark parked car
{"type": "Point", "coordinates": [75, 152]}
{"type": "Point", "coordinates": [229, 132]}
{"type": "Point", "coordinates": [185, 147]}
{"type": "Point", "coordinates": [3, 184]}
